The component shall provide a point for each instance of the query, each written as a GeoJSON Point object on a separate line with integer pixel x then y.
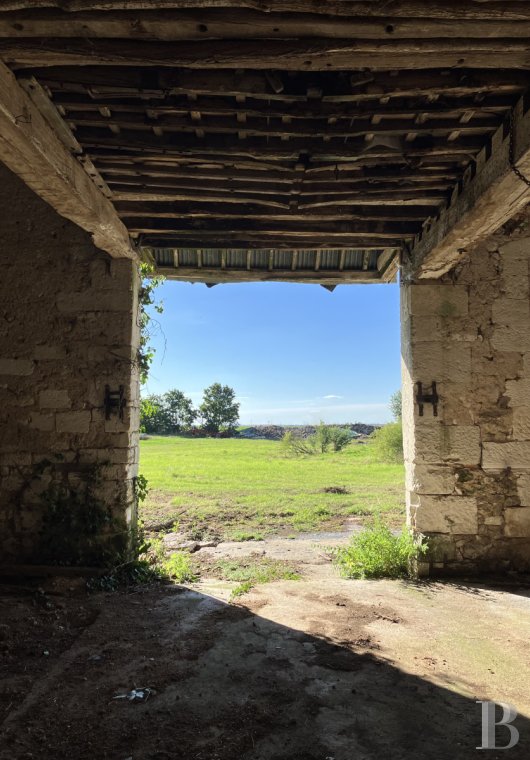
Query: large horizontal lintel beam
{"type": "Point", "coordinates": [480, 206]}
{"type": "Point", "coordinates": [218, 276]}
{"type": "Point", "coordinates": [443, 9]}
{"type": "Point", "coordinates": [217, 209]}
{"type": "Point", "coordinates": [34, 151]}
{"type": "Point", "coordinates": [310, 55]}
{"type": "Point", "coordinates": [376, 229]}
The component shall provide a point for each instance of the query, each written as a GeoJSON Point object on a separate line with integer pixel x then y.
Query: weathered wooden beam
{"type": "Point", "coordinates": [266, 148]}
{"type": "Point", "coordinates": [373, 230]}
{"type": "Point", "coordinates": [119, 82]}
{"type": "Point", "coordinates": [481, 206]}
{"type": "Point", "coordinates": [46, 107]}
{"type": "Point", "coordinates": [390, 197]}
{"type": "Point", "coordinates": [218, 210]}
{"type": "Point", "coordinates": [136, 185]}
{"type": "Point", "coordinates": [32, 150]}
{"type": "Point", "coordinates": [443, 9]}
{"type": "Point", "coordinates": [310, 55]}
{"type": "Point", "coordinates": [82, 105]}
{"type": "Point", "coordinates": [322, 277]}
{"type": "Point", "coordinates": [169, 25]}
{"type": "Point", "coordinates": [258, 127]}
{"type": "Point", "coordinates": [273, 180]}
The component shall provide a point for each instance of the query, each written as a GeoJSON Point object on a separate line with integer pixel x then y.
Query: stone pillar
{"type": "Point", "coordinates": [468, 469]}
{"type": "Point", "coordinates": [68, 328]}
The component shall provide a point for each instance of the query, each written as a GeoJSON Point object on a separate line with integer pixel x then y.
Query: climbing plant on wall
{"type": "Point", "coordinates": [149, 282]}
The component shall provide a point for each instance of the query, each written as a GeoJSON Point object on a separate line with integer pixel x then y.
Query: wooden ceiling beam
{"type": "Point", "coordinates": [391, 231]}
{"type": "Point", "coordinates": [271, 181]}
{"type": "Point", "coordinates": [255, 127]}
{"type": "Point", "coordinates": [309, 55]}
{"type": "Point", "coordinates": [443, 9]}
{"type": "Point", "coordinates": [218, 210]}
{"type": "Point", "coordinates": [170, 25]}
{"type": "Point", "coordinates": [32, 149]}
{"type": "Point", "coordinates": [136, 185]}
{"type": "Point", "coordinates": [432, 198]}
{"type": "Point", "coordinates": [77, 105]}
{"type": "Point", "coordinates": [480, 206]}
{"type": "Point", "coordinates": [117, 82]}
{"type": "Point", "coordinates": [261, 148]}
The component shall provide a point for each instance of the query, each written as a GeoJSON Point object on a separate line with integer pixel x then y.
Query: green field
{"type": "Point", "coordinates": [246, 488]}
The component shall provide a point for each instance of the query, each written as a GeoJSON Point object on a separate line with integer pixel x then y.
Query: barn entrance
{"type": "Point", "coordinates": [330, 145]}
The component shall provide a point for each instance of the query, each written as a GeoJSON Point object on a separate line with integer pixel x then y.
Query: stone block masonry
{"type": "Point", "coordinates": [468, 469]}
{"type": "Point", "coordinates": [68, 327]}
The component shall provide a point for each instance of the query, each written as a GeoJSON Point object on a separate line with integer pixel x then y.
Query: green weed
{"type": "Point", "coordinates": [377, 553]}
{"type": "Point", "coordinates": [178, 567]}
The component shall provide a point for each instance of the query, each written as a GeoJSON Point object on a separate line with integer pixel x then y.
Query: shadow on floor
{"type": "Point", "coordinates": [228, 685]}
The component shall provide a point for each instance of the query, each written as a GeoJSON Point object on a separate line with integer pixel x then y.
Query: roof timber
{"type": "Point", "coordinates": [483, 9]}
{"type": "Point", "coordinates": [281, 126]}
{"type": "Point", "coordinates": [316, 54]}
{"type": "Point", "coordinates": [480, 206]}
{"type": "Point", "coordinates": [30, 147]}
{"type": "Point", "coordinates": [222, 23]}
{"type": "Point", "coordinates": [347, 86]}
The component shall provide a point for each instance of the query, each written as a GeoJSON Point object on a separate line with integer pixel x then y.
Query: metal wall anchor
{"type": "Point", "coordinates": [115, 401]}
{"type": "Point", "coordinates": [431, 397]}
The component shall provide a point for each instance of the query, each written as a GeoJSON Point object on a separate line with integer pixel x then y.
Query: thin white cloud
{"type": "Point", "coordinates": [332, 396]}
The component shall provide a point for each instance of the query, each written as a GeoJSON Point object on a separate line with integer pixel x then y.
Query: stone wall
{"type": "Point", "coordinates": [68, 327]}
{"type": "Point", "coordinates": [468, 469]}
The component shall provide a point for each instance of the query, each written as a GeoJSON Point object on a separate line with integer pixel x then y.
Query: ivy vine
{"type": "Point", "coordinates": [149, 282]}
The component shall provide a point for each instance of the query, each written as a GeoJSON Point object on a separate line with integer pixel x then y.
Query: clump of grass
{"type": "Point", "coordinates": [178, 567]}
{"type": "Point", "coordinates": [377, 553]}
{"type": "Point", "coordinates": [251, 571]}
{"type": "Point", "coordinates": [242, 535]}
{"type": "Point", "coordinates": [243, 588]}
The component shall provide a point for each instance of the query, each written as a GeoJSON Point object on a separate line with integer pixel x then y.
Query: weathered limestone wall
{"type": "Point", "coordinates": [468, 470]}
{"type": "Point", "coordinates": [68, 327]}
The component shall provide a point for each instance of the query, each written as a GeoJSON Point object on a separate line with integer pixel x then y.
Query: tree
{"type": "Point", "coordinates": [219, 408]}
{"type": "Point", "coordinates": [395, 405]}
{"type": "Point", "coordinates": [152, 417]}
{"type": "Point", "coordinates": [168, 414]}
{"type": "Point", "coordinates": [179, 410]}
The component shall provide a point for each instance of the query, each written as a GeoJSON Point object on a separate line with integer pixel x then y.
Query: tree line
{"type": "Point", "coordinates": [173, 412]}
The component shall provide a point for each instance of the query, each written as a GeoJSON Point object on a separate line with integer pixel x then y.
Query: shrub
{"type": "Point", "coordinates": [322, 439]}
{"type": "Point", "coordinates": [377, 553]}
{"type": "Point", "coordinates": [387, 443]}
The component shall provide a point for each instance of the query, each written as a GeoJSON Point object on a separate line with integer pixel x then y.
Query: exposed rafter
{"type": "Point", "coordinates": [480, 206]}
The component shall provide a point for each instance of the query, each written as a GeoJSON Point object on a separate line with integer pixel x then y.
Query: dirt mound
{"type": "Point", "coordinates": [276, 432]}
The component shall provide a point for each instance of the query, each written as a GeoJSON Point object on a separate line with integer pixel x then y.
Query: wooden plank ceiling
{"type": "Point", "coordinates": [267, 139]}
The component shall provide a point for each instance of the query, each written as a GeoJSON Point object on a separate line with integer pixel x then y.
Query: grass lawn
{"type": "Point", "coordinates": [242, 489]}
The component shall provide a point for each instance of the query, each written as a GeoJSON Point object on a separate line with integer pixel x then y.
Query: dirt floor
{"type": "Point", "coordinates": [316, 669]}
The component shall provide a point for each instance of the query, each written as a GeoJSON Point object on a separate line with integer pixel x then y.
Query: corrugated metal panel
{"type": "Point", "coordinates": [237, 258]}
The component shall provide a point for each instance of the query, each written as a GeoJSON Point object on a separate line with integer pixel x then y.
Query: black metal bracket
{"type": "Point", "coordinates": [115, 401]}
{"type": "Point", "coordinates": [431, 397]}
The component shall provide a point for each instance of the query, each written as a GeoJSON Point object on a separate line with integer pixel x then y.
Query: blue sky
{"type": "Point", "coordinates": [295, 354]}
